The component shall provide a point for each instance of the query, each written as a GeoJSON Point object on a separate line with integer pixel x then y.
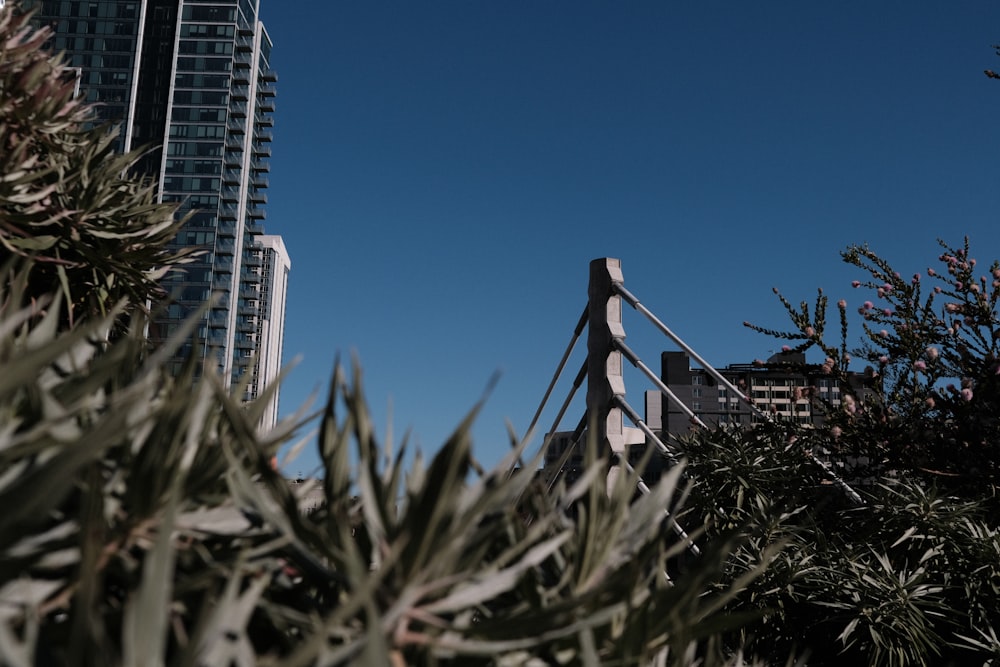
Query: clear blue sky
{"type": "Point", "coordinates": [444, 172]}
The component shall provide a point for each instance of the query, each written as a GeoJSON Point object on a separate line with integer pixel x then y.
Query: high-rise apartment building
{"type": "Point", "coordinates": [269, 325]}
{"type": "Point", "coordinates": [190, 80]}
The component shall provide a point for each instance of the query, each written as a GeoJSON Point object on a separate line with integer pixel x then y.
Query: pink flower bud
{"type": "Point", "coordinates": [785, 348]}
{"type": "Point", "coordinates": [883, 359]}
{"type": "Point", "coordinates": [930, 402]}
{"type": "Point", "coordinates": [810, 332]}
{"type": "Point", "coordinates": [887, 312]}
{"type": "Point", "coordinates": [836, 432]}
{"type": "Point", "coordinates": [842, 304]}
{"type": "Point", "coordinates": [966, 395]}
{"type": "Point", "coordinates": [931, 272]}
{"type": "Point", "coordinates": [919, 365]}
{"type": "Point", "coordinates": [868, 305]}
{"type": "Point", "coordinates": [887, 287]}
{"type": "Point", "coordinates": [932, 353]}
{"type": "Point", "coordinates": [855, 283]}
{"type": "Point", "coordinates": [883, 333]}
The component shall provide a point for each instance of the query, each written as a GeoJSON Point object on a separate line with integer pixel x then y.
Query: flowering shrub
{"type": "Point", "coordinates": [930, 404]}
{"type": "Point", "coordinates": [912, 576]}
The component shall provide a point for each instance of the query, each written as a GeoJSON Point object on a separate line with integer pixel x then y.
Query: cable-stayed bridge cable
{"type": "Point", "coordinates": [721, 379]}
{"type": "Point", "coordinates": [664, 389]}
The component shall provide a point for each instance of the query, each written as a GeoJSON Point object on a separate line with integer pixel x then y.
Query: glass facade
{"type": "Point", "coordinates": [100, 39]}
{"type": "Point", "coordinates": [190, 82]}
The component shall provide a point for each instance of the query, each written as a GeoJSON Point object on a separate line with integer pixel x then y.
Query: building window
{"type": "Point", "coordinates": [697, 379]}
{"type": "Point", "coordinates": [696, 392]}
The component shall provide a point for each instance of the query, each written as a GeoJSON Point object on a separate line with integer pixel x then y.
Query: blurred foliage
{"type": "Point", "coordinates": [96, 237]}
{"type": "Point", "coordinates": [143, 521]}
{"type": "Point", "coordinates": [145, 525]}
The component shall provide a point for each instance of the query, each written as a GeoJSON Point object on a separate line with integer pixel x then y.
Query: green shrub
{"type": "Point", "coordinates": [912, 576]}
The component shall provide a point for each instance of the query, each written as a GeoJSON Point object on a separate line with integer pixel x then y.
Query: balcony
{"type": "Point", "coordinates": [244, 44]}
{"type": "Point", "coordinates": [269, 75]}
{"type": "Point", "coordinates": [234, 143]}
{"type": "Point", "coordinates": [261, 151]}
{"type": "Point", "coordinates": [255, 228]}
{"type": "Point", "coordinates": [264, 121]}
{"type": "Point", "coordinates": [223, 265]}
{"type": "Point", "coordinates": [265, 137]}
{"type": "Point", "coordinates": [227, 213]}
{"type": "Point", "coordinates": [238, 110]}
{"type": "Point", "coordinates": [216, 340]}
{"type": "Point", "coordinates": [267, 91]}
{"type": "Point", "coordinates": [235, 127]}
{"type": "Point", "coordinates": [260, 182]}
{"type": "Point", "coordinates": [231, 177]}
{"type": "Point", "coordinates": [260, 166]}
{"type": "Point", "coordinates": [241, 77]}
{"type": "Point", "coordinates": [240, 93]}
{"type": "Point", "coordinates": [230, 195]}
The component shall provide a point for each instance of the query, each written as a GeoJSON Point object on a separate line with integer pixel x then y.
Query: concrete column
{"type": "Point", "coordinates": [604, 363]}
